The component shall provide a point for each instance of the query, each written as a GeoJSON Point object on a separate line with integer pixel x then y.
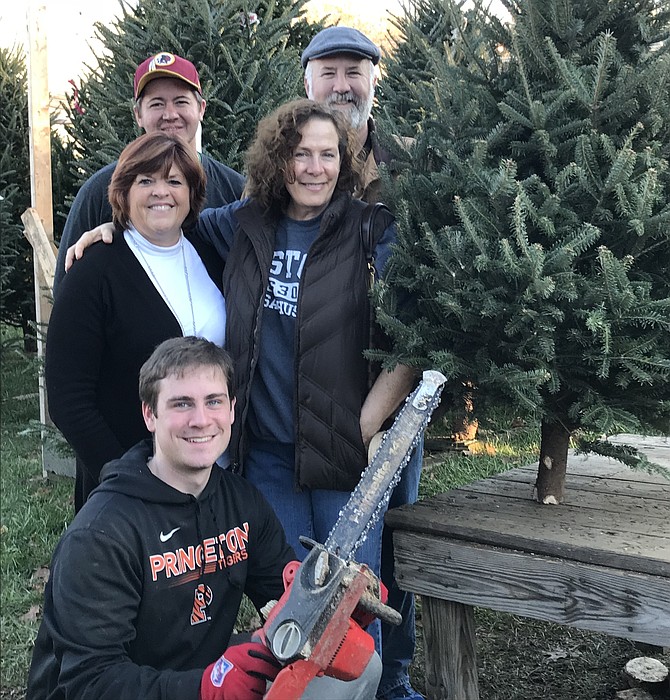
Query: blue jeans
{"type": "Point", "coordinates": [398, 643]}
{"type": "Point", "coordinates": [270, 466]}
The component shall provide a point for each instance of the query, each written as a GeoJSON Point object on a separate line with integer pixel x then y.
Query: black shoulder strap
{"type": "Point", "coordinates": [370, 233]}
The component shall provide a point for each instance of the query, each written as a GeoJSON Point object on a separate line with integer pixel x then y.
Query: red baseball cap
{"type": "Point", "coordinates": [166, 65]}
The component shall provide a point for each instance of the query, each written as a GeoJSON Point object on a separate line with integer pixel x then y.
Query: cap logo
{"type": "Point", "coordinates": [161, 60]}
{"type": "Point", "coordinates": [165, 64]}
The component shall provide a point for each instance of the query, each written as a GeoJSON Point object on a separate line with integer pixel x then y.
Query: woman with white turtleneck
{"type": "Point", "coordinates": [116, 305]}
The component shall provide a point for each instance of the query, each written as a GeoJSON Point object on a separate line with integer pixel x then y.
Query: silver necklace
{"type": "Point", "coordinates": [158, 284]}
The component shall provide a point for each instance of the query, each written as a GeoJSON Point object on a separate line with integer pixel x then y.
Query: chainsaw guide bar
{"type": "Point", "coordinates": [369, 499]}
{"type": "Point", "coordinates": [312, 630]}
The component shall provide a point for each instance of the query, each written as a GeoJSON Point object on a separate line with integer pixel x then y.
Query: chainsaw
{"type": "Point", "coordinates": [316, 628]}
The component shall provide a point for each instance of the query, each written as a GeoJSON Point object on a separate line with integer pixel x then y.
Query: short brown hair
{"type": "Point", "coordinates": [177, 355]}
{"type": "Point", "coordinates": [270, 156]}
{"type": "Point", "coordinates": [155, 153]}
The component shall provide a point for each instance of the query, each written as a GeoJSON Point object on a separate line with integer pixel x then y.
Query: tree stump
{"type": "Point", "coordinates": [634, 694]}
{"type": "Point", "coordinates": [464, 427]}
{"type": "Point", "coordinates": [647, 674]}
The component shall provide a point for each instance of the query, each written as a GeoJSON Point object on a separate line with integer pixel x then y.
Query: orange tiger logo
{"type": "Point", "coordinates": [201, 599]}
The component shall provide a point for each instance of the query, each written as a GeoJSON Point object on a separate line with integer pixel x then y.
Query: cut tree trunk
{"type": "Point", "coordinates": [647, 673]}
{"type": "Point", "coordinates": [553, 463]}
{"type": "Point", "coordinates": [464, 427]}
{"type": "Point", "coordinates": [464, 431]}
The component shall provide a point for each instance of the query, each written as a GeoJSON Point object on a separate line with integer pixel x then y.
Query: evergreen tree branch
{"type": "Point", "coordinates": [627, 454]}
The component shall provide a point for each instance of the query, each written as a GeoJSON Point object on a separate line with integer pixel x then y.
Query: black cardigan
{"type": "Point", "coordinates": [106, 321]}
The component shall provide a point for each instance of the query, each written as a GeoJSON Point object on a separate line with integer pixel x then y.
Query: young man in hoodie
{"type": "Point", "coordinates": [147, 581]}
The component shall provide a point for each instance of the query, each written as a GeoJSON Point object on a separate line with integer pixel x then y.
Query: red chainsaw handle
{"type": "Point", "coordinates": [349, 663]}
{"type": "Point", "coordinates": [288, 575]}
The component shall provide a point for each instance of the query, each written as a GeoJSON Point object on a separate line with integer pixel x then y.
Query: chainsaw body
{"type": "Point", "coordinates": [314, 628]}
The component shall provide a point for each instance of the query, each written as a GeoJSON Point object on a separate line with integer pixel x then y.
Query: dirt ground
{"type": "Point", "coordinates": [523, 659]}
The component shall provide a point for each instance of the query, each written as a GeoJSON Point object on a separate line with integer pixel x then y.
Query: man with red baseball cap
{"type": "Point", "coordinates": [168, 97]}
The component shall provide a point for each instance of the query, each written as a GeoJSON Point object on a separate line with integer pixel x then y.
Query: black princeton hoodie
{"type": "Point", "coordinates": [147, 581]}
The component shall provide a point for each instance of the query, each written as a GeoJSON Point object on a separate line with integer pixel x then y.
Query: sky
{"type": "Point", "coordinates": [70, 33]}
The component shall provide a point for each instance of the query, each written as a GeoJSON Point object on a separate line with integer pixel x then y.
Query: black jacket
{"type": "Point", "coordinates": [146, 584]}
{"type": "Point", "coordinates": [107, 320]}
{"type": "Point", "coordinates": [332, 332]}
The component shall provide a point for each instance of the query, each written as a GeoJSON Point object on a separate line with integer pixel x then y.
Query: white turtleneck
{"type": "Point", "coordinates": [180, 277]}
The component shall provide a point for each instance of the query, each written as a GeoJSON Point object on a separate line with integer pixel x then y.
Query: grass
{"type": "Point", "coordinates": [539, 660]}
{"type": "Point", "coordinates": [34, 512]}
{"type": "Point", "coordinates": [524, 659]}
{"type": "Point", "coordinates": [519, 659]}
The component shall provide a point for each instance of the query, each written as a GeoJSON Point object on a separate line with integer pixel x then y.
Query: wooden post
{"type": "Point", "coordinates": [43, 246]}
{"type": "Point", "coordinates": [41, 198]}
{"type": "Point", "coordinates": [450, 649]}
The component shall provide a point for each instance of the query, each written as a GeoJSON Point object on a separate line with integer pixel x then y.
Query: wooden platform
{"type": "Point", "coordinates": [600, 561]}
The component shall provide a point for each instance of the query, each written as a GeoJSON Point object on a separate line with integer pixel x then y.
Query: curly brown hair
{"type": "Point", "coordinates": [155, 153]}
{"type": "Point", "coordinates": [270, 155]}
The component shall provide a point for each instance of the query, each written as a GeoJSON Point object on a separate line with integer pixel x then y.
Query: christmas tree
{"type": "Point", "coordinates": [16, 265]}
{"type": "Point", "coordinates": [17, 284]}
{"type": "Point", "coordinates": [534, 214]}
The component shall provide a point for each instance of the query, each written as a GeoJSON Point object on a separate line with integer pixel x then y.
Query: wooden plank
{"type": "Point", "coordinates": [629, 508]}
{"type": "Point", "coordinates": [599, 494]}
{"type": "Point", "coordinates": [576, 483]}
{"type": "Point", "coordinates": [641, 441]}
{"type": "Point", "coordinates": [544, 531]}
{"type": "Point", "coordinates": [659, 455]}
{"type": "Point", "coordinates": [42, 245]}
{"type": "Point", "coordinates": [633, 515]}
{"type": "Point", "coordinates": [605, 600]}
{"type": "Point", "coordinates": [563, 531]}
{"type": "Point", "coordinates": [524, 516]}
{"type": "Point", "coordinates": [657, 449]}
{"type": "Point", "coordinates": [595, 466]}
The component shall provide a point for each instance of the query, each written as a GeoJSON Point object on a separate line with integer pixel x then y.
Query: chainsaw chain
{"type": "Point", "coordinates": [375, 472]}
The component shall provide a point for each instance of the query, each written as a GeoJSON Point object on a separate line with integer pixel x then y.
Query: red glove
{"type": "Point", "coordinates": [240, 674]}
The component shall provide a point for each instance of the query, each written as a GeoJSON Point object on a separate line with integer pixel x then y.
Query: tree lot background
{"type": "Point", "coordinates": [533, 209]}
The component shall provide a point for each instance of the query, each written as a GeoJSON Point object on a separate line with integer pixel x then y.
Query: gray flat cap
{"type": "Point", "coordinates": [334, 40]}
